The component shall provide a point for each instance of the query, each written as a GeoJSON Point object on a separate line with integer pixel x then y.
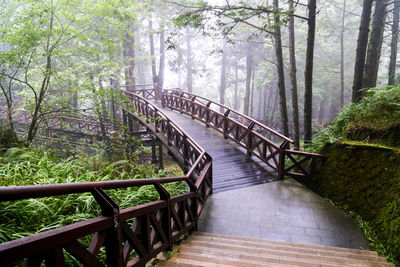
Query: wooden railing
{"type": "Point", "coordinates": [258, 139]}
{"type": "Point", "coordinates": [130, 236]}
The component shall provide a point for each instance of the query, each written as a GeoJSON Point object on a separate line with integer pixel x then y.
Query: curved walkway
{"type": "Point", "coordinates": [248, 201]}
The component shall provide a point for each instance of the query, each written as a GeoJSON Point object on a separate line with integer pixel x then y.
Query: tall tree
{"type": "Point", "coordinates": [375, 45]}
{"type": "Point", "coordinates": [293, 77]}
{"type": "Point", "coordinates": [236, 98]}
{"type": "Point", "coordinates": [160, 76]}
{"type": "Point", "coordinates": [361, 50]}
{"type": "Point", "coordinates": [342, 29]}
{"type": "Point", "coordinates": [129, 55]}
{"type": "Point", "coordinates": [308, 73]}
{"type": "Point", "coordinates": [394, 42]}
{"type": "Point", "coordinates": [223, 77]}
{"type": "Point", "coordinates": [249, 65]}
{"type": "Point", "coordinates": [252, 90]}
{"type": "Point", "coordinates": [279, 65]}
{"type": "Point", "coordinates": [152, 52]}
{"type": "Point", "coordinates": [189, 67]}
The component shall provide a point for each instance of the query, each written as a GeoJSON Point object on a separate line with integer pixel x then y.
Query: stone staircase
{"type": "Point", "coordinates": [206, 249]}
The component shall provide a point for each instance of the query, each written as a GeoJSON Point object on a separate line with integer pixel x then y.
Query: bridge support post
{"type": "Point", "coordinates": [160, 155]}
{"type": "Point", "coordinates": [281, 167]}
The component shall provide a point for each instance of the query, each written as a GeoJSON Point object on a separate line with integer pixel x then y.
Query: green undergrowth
{"type": "Point", "coordinates": [20, 166]}
{"type": "Point", "coordinates": [375, 120]}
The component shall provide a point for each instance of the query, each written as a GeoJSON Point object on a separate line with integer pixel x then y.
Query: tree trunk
{"type": "Point", "coordinates": [152, 53]}
{"type": "Point", "coordinates": [249, 64]}
{"type": "Point", "coordinates": [342, 56]}
{"type": "Point", "coordinates": [252, 92]}
{"type": "Point", "coordinates": [293, 78]}
{"type": "Point", "coordinates": [362, 43]}
{"type": "Point", "coordinates": [160, 76]}
{"type": "Point", "coordinates": [33, 127]}
{"type": "Point", "coordinates": [281, 74]}
{"type": "Point", "coordinates": [189, 67]}
{"type": "Point", "coordinates": [322, 110]}
{"type": "Point", "coordinates": [260, 93]}
{"type": "Point", "coordinates": [375, 45]}
{"type": "Point", "coordinates": [129, 55]}
{"type": "Point", "coordinates": [393, 44]}
{"type": "Point", "coordinates": [223, 77]}
{"type": "Point", "coordinates": [236, 100]}
{"type": "Point", "coordinates": [264, 113]}
{"type": "Point", "coordinates": [308, 73]}
{"type": "Point", "coordinates": [272, 118]}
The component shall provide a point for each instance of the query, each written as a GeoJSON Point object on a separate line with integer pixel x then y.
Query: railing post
{"type": "Point", "coordinates": [192, 104]}
{"type": "Point", "coordinates": [113, 242]}
{"type": "Point", "coordinates": [195, 201]}
{"type": "Point", "coordinates": [163, 99]}
{"type": "Point", "coordinates": [208, 114]}
{"type": "Point", "coordinates": [166, 221]}
{"type": "Point", "coordinates": [250, 138]}
{"type": "Point", "coordinates": [156, 121]}
{"type": "Point", "coordinates": [157, 93]}
{"type": "Point", "coordinates": [281, 167]}
{"type": "Point", "coordinates": [226, 114]}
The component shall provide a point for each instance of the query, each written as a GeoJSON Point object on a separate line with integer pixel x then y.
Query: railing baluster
{"type": "Point", "coordinates": [113, 241]}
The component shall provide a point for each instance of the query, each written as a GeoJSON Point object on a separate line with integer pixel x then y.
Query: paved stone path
{"type": "Point", "coordinates": [249, 202]}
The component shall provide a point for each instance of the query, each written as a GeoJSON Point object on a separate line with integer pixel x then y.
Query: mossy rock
{"type": "Point", "coordinates": [387, 135]}
{"type": "Point", "coordinates": [366, 179]}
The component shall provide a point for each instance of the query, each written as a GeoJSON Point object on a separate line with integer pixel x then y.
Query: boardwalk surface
{"type": "Point", "coordinates": [249, 202]}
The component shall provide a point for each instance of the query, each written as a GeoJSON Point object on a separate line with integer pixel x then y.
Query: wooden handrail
{"type": "Point", "coordinates": [240, 115]}
{"type": "Point", "coordinates": [8, 193]}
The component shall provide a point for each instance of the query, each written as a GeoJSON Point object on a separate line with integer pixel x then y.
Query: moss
{"type": "Point", "coordinates": [366, 179]}
{"type": "Point", "coordinates": [8, 137]}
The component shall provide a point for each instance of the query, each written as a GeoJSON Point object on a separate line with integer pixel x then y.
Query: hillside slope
{"type": "Point", "coordinates": [362, 172]}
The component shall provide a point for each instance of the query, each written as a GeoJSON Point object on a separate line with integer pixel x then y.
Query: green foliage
{"type": "Point", "coordinates": [19, 166]}
{"type": "Point", "coordinates": [375, 119]}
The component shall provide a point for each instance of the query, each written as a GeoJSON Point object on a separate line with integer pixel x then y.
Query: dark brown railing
{"type": "Point", "coordinates": [254, 136]}
{"type": "Point", "coordinates": [130, 236]}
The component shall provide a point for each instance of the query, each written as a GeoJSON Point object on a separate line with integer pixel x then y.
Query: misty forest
{"type": "Point", "coordinates": [119, 119]}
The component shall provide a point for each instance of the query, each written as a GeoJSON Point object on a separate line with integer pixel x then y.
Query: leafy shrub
{"type": "Point", "coordinates": [20, 166]}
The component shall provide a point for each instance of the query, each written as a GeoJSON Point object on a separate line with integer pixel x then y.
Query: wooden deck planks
{"type": "Point", "coordinates": [232, 168]}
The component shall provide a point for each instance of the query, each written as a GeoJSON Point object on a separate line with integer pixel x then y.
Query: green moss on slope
{"type": "Point", "coordinates": [365, 178]}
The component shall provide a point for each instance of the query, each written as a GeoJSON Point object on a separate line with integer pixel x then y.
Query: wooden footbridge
{"type": "Point", "coordinates": [135, 235]}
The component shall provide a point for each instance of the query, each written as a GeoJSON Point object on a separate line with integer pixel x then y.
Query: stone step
{"type": "Point", "coordinates": [286, 244]}
{"type": "Point", "coordinates": [285, 258]}
{"type": "Point", "coordinates": [207, 249]}
{"type": "Point", "coordinates": [198, 259]}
